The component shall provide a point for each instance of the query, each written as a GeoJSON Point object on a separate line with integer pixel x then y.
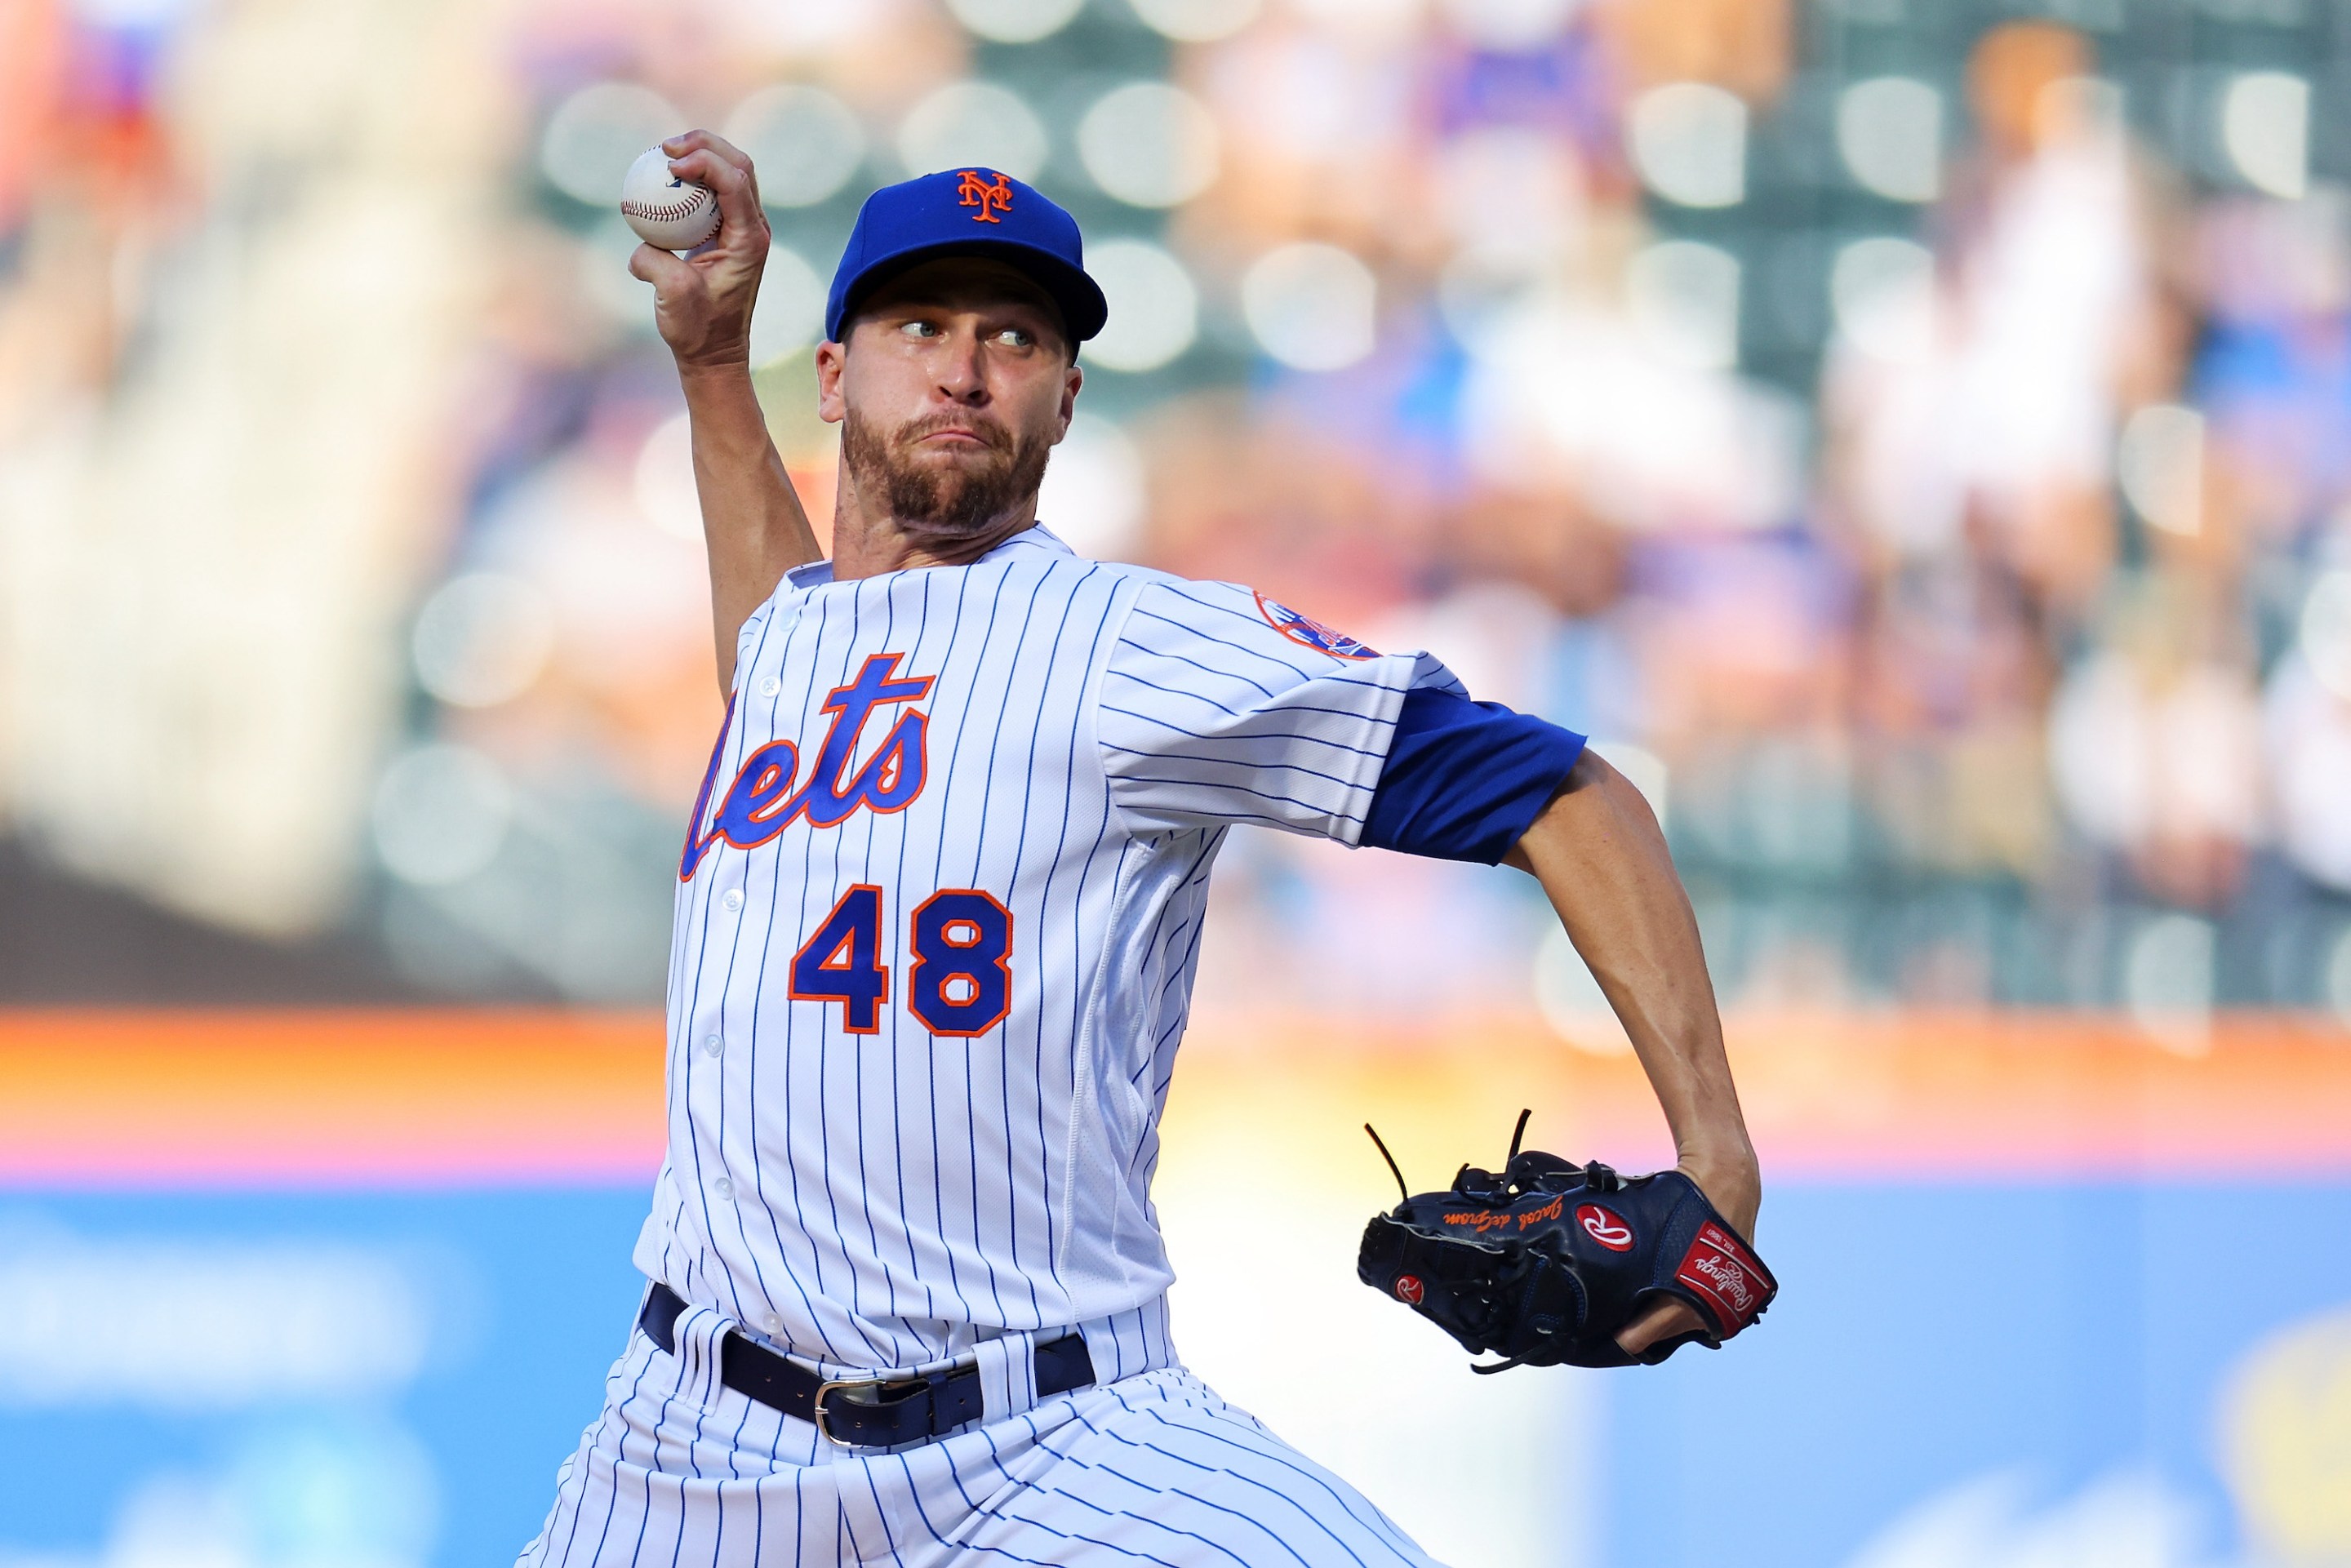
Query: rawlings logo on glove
{"type": "Point", "coordinates": [1525, 1263]}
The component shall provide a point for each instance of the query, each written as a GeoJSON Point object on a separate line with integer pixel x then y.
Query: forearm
{"type": "Point", "coordinates": [1603, 863]}
{"type": "Point", "coordinates": [752, 521]}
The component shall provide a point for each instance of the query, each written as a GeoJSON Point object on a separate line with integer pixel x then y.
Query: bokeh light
{"type": "Point", "coordinates": [482, 639]}
{"type": "Point", "coordinates": [596, 132]}
{"type": "Point", "coordinates": [972, 124]}
{"type": "Point", "coordinates": [790, 313]}
{"type": "Point", "coordinates": [2325, 632]}
{"type": "Point", "coordinates": [1096, 494]}
{"type": "Point", "coordinates": [1015, 21]}
{"type": "Point", "coordinates": [805, 143]}
{"type": "Point", "coordinates": [442, 812]}
{"type": "Point", "coordinates": [1890, 135]}
{"type": "Point", "coordinates": [664, 479]}
{"type": "Point", "coordinates": [1154, 305]}
{"type": "Point", "coordinates": [1313, 307]}
{"type": "Point", "coordinates": [1683, 298]}
{"type": "Point", "coordinates": [1883, 291]}
{"type": "Point", "coordinates": [1149, 144]}
{"type": "Point", "coordinates": [2265, 125]}
{"type": "Point", "coordinates": [2161, 466]}
{"type": "Point", "coordinates": [1689, 141]}
{"type": "Point", "coordinates": [1197, 21]}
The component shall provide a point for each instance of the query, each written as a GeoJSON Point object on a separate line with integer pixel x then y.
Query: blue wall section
{"type": "Point", "coordinates": [1928, 1336]}
{"type": "Point", "coordinates": [527, 1297]}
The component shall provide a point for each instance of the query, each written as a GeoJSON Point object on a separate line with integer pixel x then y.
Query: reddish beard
{"type": "Point", "coordinates": [937, 505]}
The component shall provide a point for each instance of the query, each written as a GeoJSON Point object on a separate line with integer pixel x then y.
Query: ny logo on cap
{"type": "Point", "coordinates": [974, 191]}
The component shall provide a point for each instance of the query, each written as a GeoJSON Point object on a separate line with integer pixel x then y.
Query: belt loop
{"type": "Point", "coordinates": [1007, 1375]}
{"type": "Point", "coordinates": [700, 1338]}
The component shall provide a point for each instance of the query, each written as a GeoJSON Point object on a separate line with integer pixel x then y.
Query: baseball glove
{"type": "Point", "coordinates": [1545, 1261]}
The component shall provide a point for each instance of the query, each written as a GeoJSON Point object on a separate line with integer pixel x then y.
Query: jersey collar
{"type": "Point", "coordinates": [1035, 539]}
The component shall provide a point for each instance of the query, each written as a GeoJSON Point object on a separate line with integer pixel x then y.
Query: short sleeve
{"type": "Point", "coordinates": [746, 638]}
{"type": "Point", "coordinates": [1219, 706]}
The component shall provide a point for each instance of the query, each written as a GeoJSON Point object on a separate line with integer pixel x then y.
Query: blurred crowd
{"type": "Point", "coordinates": [1906, 436]}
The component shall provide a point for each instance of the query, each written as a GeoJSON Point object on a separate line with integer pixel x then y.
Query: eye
{"type": "Point", "coordinates": [920, 328]}
{"type": "Point", "coordinates": [1017, 338]}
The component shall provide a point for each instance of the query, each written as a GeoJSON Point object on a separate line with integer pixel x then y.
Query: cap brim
{"type": "Point", "coordinates": [1084, 308]}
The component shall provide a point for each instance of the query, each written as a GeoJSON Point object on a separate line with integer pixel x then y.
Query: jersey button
{"type": "Point", "coordinates": [710, 1045]}
{"type": "Point", "coordinates": [723, 1187]}
{"type": "Point", "coordinates": [731, 899]}
{"type": "Point", "coordinates": [775, 1323]}
{"type": "Point", "coordinates": [770, 686]}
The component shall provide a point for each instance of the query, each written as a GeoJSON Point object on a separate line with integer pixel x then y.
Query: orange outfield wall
{"type": "Point", "coordinates": [480, 1098]}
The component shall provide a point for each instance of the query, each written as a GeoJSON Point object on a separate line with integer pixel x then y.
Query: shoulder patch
{"type": "Point", "coordinates": [1309, 633]}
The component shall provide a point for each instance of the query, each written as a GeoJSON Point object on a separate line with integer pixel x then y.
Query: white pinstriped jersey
{"type": "Point", "coordinates": [937, 922]}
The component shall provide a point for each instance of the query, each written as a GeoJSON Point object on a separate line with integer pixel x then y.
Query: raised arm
{"type": "Point", "coordinates": [1601, 860]}
{"type": "Point", "coordinates": [752, 522]}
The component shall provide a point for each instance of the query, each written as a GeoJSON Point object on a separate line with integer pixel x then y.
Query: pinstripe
{"type": "Point", "coordinates": [898, 1021]}
{"type": "Point", "coordinates": [1205, 669]}
{"type": "Point", "coordinates": [971, 1140]}
{"type": "Point", "coordinates": [1180, 711]}
{"type": "Point", "coordinates": [621, 1454]}
{"type": "Point", "coordinates": [857, 1057]}
{"type": "Point", "coordinates": [1252, 768]}
{"type": "Point", "coordinates": [1191, 631]}
{"type": "Point", "coordinates": [1077, 938]}
{"type": "Point", "coordinates": [1292, 1467]}
{"type": "Point", "coordinates": [682, 1044]}
{"type": "Point", "coordinates": [1176, 590]}
{"type": "Point", "coordinates": [760, 1014]}
{"type": "Point", "coordinates": [1099, 1478]}
{"type": "Point", "coordinates": [1236, 713]}
{"type": "Point", "coordinates": [1020, 845]}
{"type": "Point", "coordinates": [686, 1050]}
{"type": "Point", "coordinates": [978, 849]}
{"type": "Point", "coordinates": [1227, 785]}
{"type": "Point", "coordinates": [1209, 737]}
{"type": "Point", "coordinates": [881, 1514]}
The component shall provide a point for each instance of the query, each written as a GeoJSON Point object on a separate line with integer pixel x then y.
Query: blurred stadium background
{"type": "Point", "coordinates": [1910, 436]}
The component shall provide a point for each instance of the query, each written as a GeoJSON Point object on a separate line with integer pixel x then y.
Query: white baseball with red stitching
{"type": "Point", "coordinates": [665, 211]}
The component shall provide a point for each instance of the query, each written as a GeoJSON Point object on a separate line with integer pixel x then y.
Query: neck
{"type": "Point", "coordinates": [867, 540]}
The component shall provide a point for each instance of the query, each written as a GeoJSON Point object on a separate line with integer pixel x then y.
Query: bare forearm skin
{"type": "Point", "coordinates": [1601, 860]}
{"type": "Point", "coordinates": [752, 521]}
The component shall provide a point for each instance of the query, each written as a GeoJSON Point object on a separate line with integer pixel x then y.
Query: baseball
{"type": "Point", "coordinates": [665, 210]}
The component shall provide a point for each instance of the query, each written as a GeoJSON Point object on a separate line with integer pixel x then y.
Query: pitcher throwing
{"type": "Point", "coordinates": [938, 910]}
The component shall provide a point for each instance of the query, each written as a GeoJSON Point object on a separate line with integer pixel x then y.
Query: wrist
{"type": "Point", "coordinates": [729, 363]}
{"type": "Point", "coordinates": [1731, 1178]}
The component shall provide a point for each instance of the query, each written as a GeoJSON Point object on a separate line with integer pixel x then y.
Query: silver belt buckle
{"type": "Point", "coordinates": [832, 1385]}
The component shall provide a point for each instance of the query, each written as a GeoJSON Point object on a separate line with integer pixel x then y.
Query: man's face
{"type": "Point", "coordinates": [953, 385]}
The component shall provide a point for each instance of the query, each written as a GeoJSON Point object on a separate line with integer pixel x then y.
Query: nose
{"type": "Point", "coordinates": [961, 378]}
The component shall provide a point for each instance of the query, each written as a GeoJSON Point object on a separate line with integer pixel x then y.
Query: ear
{"type": "Point", "coordinates": [831, 364]}
{"type": "Point", "coordinates": [1071, 382]}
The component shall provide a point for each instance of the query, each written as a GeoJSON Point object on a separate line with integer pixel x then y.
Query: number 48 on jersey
{"type": "Point", "coordinates": [959, 984]}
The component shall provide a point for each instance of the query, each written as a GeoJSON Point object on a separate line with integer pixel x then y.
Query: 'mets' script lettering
{"type": "Point", "coordinates": [762, 802]}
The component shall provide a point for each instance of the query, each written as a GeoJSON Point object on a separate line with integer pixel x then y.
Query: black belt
{"type": "Point", "coordinates": [877, 1414]}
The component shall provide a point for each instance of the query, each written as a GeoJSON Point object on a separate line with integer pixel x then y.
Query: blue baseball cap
{"type": "Point", "coordinates": [966, 211]}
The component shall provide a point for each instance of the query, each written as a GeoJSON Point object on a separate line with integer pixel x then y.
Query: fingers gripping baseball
{"type": "Point", "coordinates": [702, 300]}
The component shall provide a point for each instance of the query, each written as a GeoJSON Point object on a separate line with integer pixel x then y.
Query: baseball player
{"type": "Point", "coordinates": [938, 914]}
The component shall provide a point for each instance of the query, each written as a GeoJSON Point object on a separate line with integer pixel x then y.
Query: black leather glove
{"type": "Point", "coordinates": [1545, 1262]}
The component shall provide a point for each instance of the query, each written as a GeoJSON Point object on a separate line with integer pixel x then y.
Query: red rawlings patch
{"type": "Point", "coordinates": [1605, 1227]}
{"type": "Point", "coordinates": [1409, 1290]}
{"type": "Point", "coordinates": [1721, 1268]}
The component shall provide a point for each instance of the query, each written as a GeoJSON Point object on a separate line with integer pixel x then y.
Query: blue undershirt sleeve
{"type": "Point", "coordinates": [1464, 779]}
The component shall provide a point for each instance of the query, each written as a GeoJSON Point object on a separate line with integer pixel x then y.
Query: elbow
{"type": "Point", "coordinates": [1594, 800]}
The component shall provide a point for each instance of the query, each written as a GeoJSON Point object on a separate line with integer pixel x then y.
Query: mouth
{"type": "Point", "coordinates": [954, 438]}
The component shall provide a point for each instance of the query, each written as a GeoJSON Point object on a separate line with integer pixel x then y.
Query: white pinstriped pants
{"type": "Point", "coordinates": [1153, 1469]}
